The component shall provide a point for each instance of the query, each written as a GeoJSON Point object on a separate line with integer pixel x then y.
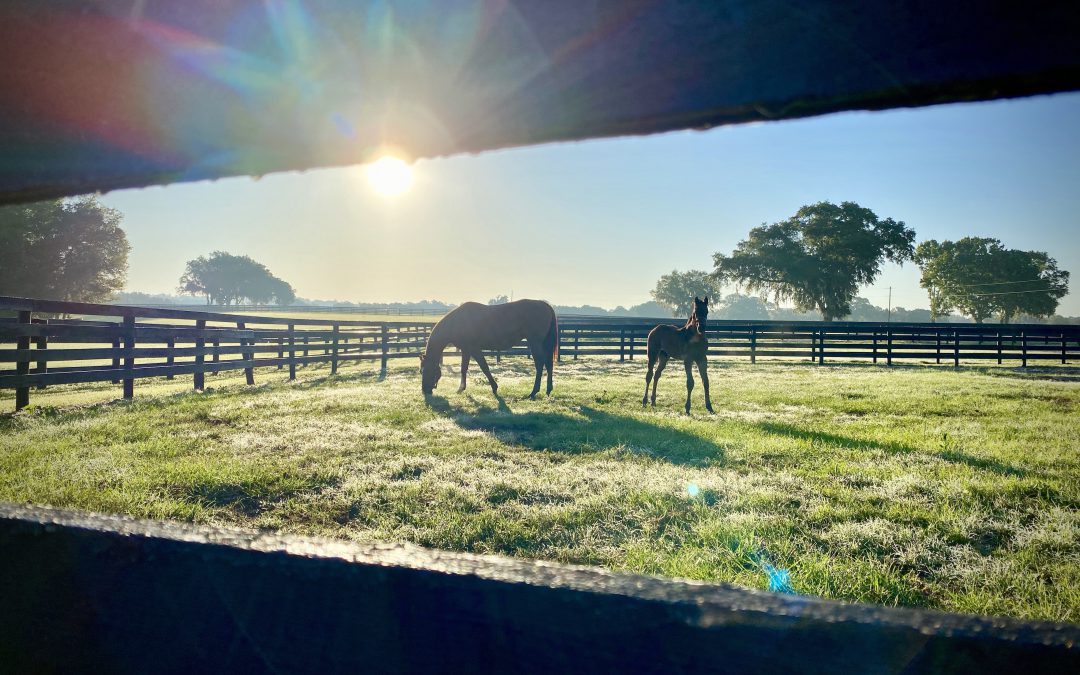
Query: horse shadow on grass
{"type": "Point", "coordinates": [892, 447]}
{"type": "Point", "coordinates": [586, 431]}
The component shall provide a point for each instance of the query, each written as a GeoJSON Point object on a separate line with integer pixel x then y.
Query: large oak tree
{"type": "Point", "coordinates": [71, 250]}
{"type": "Point", "coordinates": [676, 291]}
{"type": "Point", "coordinates": [227, 279]}
{"type": "Point", "coordinates": [819, 257]}
{"type": "Point", "coordinates": [980, 278]}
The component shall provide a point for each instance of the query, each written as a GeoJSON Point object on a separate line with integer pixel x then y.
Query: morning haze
{"type": "Point", "coordinates": [594, 222]}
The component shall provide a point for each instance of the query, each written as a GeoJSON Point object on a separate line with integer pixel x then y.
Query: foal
{"type": "Point", "coordinates": [687, 343]}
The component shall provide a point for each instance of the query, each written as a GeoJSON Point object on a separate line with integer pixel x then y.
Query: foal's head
{"type": "Point", "coordinates": [430, 372]}
{"type": "Point", "coordinates": [701, 311]}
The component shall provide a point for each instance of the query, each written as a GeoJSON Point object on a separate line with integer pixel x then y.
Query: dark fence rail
{"type": "Point", "coordinates": [89, 593]}
{"type": "Point", "coordinates": [121, 344]}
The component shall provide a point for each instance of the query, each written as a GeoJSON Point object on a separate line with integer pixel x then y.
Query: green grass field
{"type": "Point", "coordinates": [919, 486]}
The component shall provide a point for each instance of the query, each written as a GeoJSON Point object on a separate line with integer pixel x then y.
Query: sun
{"type": "Point", "coordinates": [389, 176]}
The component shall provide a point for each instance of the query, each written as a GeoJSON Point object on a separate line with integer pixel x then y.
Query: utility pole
{"type": "Point", "coordinates": [890, 306]}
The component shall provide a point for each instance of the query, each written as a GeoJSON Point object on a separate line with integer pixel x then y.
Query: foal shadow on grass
{"type": "Point", "coordinates": [891, 447]}
{"type": "Point", "coordinates": [586, 432]}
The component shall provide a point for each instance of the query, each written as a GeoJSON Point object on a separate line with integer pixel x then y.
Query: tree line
{"type": "Point", "coordinates": [75, 250]}
{"type": "Point", "coordinates": [818, 259]}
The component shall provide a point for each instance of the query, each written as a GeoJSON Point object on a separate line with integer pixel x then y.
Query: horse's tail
{"type": "Point", "coordinates": [551, 340]}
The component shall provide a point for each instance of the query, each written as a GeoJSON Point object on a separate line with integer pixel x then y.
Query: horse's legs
{"type": "Point", "coordinates": [464, 369]}
{"type": "Point", "coordinates": [482, 362]}
{"type": "Point", "coordinates": [660, 363]}
{"type": "Point", "coordinates": [538, 362]}
{"type": "Point", "coordinates": [549, 363]}
{"type": "Point", "coordinates": [648, 379]}
{"type": "Point", "coordinates": [703, 370]}
{"type": "Point", "coordinates": [689, 365]}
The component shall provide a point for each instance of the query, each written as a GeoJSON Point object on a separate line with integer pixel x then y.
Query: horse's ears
{"type": "Point", "coordinates": [697, 299]}
{"type": "Point", "coordinates": [706, 299]}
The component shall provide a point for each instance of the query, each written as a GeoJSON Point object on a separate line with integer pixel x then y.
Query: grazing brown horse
{"type": "Point", "coordinates": [473, 327]}
{"type": "Point", "coordinates": [687, 343]}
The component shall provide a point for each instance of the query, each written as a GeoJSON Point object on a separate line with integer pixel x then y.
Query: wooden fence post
{"type": "Point", "coordinates": [334, 356]}
{"type": "Point", "coordinates": [956, 348]}
{"type": "Point", "coordinates": [1064, 353]}
{"type": "Point", "coordinates": [622, 344]}
{"type": "Point", "coordinates": [292, 351]}
{"type": "Point", "coordinates": [280, 352]}
{"type": "Point", "coordinates": [753, 345]}
{"type": "Point", "coordinates": [888, 346]}
{"type": "Point", "coordinates": [385, 350]}
{"type": "Point", "coordinates": [577, 338]}
{"type": "Point", "coordinates": [248, 355]}
{"type": "Point", "coordinates": [631, 344]}
{"type": "Point", "coordinates": [821, 348]}
{"type": "Point", "coordinates": [937, 352]}
{"type": "Point", "coordinates": [813, 345]}
{"type": "Point", "coordinates": [200, 357]}
{"type": "Point", "coordinates": [129, 356]}
{"type": "Point", "coordinates": [22, 366]}
{"type": "Point", "coordinates": [170, 358]}
{"type": "Point", "coordinates": [999, 347]}
{"type": "Point", "coordinates": [42, 343]}
{"type": "Point", "coordinates": [875, 346]}
{"type": "Point", "coordinates": [116, 357]}
{"type": "Point", "coordinates": [1023, 349]}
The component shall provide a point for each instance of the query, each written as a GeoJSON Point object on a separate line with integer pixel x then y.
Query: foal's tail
{"type": "Point", "coordinates": [551, 340]}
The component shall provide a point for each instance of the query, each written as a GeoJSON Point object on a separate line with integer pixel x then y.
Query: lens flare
{"type": "Point", "coordinates": [389, 176]}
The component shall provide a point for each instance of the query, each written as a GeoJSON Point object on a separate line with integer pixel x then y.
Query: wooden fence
{"type": "Point", "coordinates": [92, 593]}
{"type": "Point", "coordinates": [121, 344]}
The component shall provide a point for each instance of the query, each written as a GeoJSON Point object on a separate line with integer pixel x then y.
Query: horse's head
{"type": "Point", "coordinates": [701, 311]}
{"type": "Point", "coordinates": [430, 372]}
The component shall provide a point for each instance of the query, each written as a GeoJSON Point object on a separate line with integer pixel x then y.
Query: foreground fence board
{"type": "Point", "coordinates": [111, 594]}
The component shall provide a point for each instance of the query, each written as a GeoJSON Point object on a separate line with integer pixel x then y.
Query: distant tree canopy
{"type": "Point", "coordinates": [675, 292]}
{"type": "Point", "coordinates": [226, 279]}
{"type": "Point", "coordinates": [819, 257]}
{"type": "Point", "coordinates": [71, 250]}
{"type": "Point", "coordinates": [980, 278]}
{"type": "Point", "coordinates": [499, 300]}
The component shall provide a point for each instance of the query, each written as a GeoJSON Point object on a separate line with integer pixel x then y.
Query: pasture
{"type": "Point", "coordinates": [919, 486]}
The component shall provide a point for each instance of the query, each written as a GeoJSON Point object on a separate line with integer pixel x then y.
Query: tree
{"type": "Point", "coordinates": [979, 278]}
{"type": "Point", "coordinates": [226, 279]}
{"type": "Point", "coordinates": [499, 300]}
{"type": "Point", "coordinates": [675, 292]}
{"type": "Point", "coordinates": [819, 257]}
{"type": "Point", "coordinates": [71, 250]}
{"type": "Point", "coordinates": [736, 306]}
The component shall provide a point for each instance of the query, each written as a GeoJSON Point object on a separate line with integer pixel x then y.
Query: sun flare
{"type": "Point", "coordinates": [389, 176]}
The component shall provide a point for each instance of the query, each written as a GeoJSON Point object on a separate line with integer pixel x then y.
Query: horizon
{"type": "Point", "coordinates": [592, 222]}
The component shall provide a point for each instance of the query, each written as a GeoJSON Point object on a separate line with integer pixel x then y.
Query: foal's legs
{"type": "Point", "coordinates": [661, 362]}
{"type": "Point", "coordinates": [689, 365]}
{"type": "Point", "coordinates": [464, 369]}
{"type": "Point", "coordinates": [648, 379]}
{"type": "Point", "coordinates": [703, 370]}
{"type": "Point", "coordinates": [482, 362]}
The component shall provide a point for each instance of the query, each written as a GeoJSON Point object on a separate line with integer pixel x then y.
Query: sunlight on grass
{"type": "Point", "coordinates": [929, 487]}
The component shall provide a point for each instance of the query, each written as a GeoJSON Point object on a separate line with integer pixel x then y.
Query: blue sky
{"type": "Point", "coordinates": [598, 222]}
